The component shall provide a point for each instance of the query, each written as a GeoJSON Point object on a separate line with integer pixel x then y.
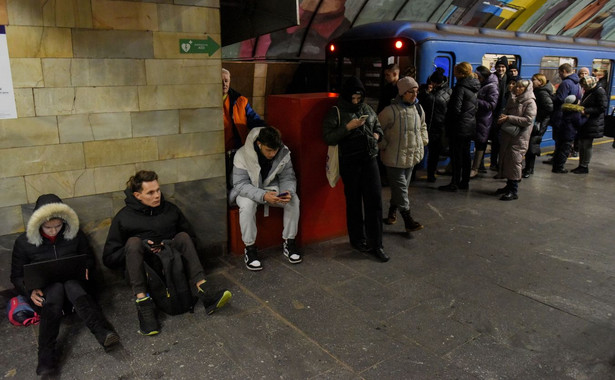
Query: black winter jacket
{"type": "Point", "coordinates": [544, 104]}
{"type": "Point", "coordinates": [461, 112]}
{"type": "Point", "coordinates": [595, 103]}
{"type": "Point", "coordinates": [138, 220]}
{"type": "Point", "coordinates": [435, 104]}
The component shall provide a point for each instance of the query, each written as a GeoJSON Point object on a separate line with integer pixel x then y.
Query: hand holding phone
{"type": "Point", "coordinates": [363, 117]}
{"type": "Point", "coordinates": [283, 194]}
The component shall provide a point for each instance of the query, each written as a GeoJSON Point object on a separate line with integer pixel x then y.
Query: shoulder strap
{"type": "Point", "coordinates": [339, 118]}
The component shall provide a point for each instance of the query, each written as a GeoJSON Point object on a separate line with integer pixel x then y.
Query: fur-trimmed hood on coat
{"type": "Point", "coordinates": [48, 207]}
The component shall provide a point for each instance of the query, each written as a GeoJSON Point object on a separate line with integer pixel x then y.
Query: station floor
{"type": "Point", "coordinates": [487, 290]}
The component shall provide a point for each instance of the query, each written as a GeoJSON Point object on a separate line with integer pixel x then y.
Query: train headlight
{"type": "Point", "coordinates": [331, 48]}
{"type": "Point", "coordinates": [399, 44]}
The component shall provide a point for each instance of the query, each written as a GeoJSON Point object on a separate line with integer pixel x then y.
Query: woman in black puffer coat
{"type": "Point", "coordinates": [434, 103]}
{"type": "Point", "coordinates": [543, 91]}
{"type": "Point", "coordinates": [594, 104]}
{"type": "Point", "coordinates": [53, 233]}
{"type": "Point", "coordinates": [461, 125]}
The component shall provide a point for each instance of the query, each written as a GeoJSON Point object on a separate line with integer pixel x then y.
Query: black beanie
{"type": "Point", "coordinates": [438, 76]}
{"type": "Point", "coordinates": [352, 86]}
{"type": "Point", "coordinates": [502, 61]}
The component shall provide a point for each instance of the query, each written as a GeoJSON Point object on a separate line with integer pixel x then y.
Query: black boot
{"type": "Point", "coordinates": [212, 300]}
{"type": "Point", "coordinates": [48, 331]}
{"type": "Point", "coordinates": [410, 224]}
{"type": "Point", "coordinates": [91, 313]}
{"type": "Point", "coordinates": [392, 217]}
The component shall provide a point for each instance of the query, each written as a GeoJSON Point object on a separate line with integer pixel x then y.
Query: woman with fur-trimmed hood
{"type": "Point", "coordinates": [53, 233]}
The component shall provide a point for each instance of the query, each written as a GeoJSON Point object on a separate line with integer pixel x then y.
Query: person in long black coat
{"type": "Point", "coordinates": [461, 125]}
{"type": "Point", "coordinates": [543, 91]}
{"type": "Point", "coordinates": [594, 104]}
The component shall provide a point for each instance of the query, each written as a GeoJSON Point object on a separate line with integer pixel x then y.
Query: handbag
{"type": "Point", "coordinates": [332, 164]}
{"type": "Point", "coordinates": [609, 124]}
{"type": "Point", "coordinates": [510, 128]}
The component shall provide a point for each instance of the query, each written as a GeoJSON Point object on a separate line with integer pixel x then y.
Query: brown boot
{"type": "Point", "coordinates": [392, 218]}
{"type": "Point", "coordinates": [410, 224]}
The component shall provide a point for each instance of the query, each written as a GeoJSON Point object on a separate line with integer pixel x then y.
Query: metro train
{"type": "Point", "coordinates": [364, 51]}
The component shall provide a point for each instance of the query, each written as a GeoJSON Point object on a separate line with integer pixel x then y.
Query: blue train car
{"type": "Point", "coordinates": [419, 47]}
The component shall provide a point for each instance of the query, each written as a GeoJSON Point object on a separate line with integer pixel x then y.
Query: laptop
{"type": "Point", "coordinates": [40, 274]}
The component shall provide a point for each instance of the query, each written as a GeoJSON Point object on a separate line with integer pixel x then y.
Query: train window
{"type": "Point", "coordinates": [490, 59]}
{"type": "Point", "coordinates": [549, 67]}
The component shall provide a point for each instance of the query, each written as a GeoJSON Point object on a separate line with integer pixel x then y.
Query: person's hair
{"type": "Point", "coordinates": [225, 71]}
{"type": "Point", "coordinates": [541, 78]}
{"type": "Point", "coordinates": [523, 83]}
{"type": "Point", "coordinates": [270, 137]}
{"type": "Point", "coordinates": [410, 71]}
{"type": "Point", "coordinates": [565, 67]}
{"type": "Point", "coordinates": [392, 67]}
{"type": "Point", "coordinates": [135, 183]}
{"type": "Point", "coordinates": [463, 70]}
{"type": "Point", "coordinates": [483, 71]}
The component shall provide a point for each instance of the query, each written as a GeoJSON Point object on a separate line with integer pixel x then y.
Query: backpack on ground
{"type": "Point", "coordinates": [169, 287]}
{"type": "Point", "coordinates": [20, 313]}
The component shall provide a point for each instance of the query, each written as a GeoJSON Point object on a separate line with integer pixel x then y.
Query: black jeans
{"type": "Point", "coordinates": [136, 253]}
{"type": "Point", "coordinates": [433, 157]}
{"type": "Point", "coordinates": [562, 151]}
{"type": "Point", "coordinates": [363, 198]}
{"type": "Point", "coordinates": [461, 161]}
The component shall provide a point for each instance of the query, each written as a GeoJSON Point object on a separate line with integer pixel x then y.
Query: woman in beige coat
{"type": "Point", "coordinates": [402, 147]}
{"type": "Point", "coordinates": [516, 126]}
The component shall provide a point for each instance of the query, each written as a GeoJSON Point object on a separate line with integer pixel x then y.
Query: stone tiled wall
{"type": "Point", "coordinates": [102, 91]}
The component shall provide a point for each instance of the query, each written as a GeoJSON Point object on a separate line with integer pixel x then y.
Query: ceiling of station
{"type": "Point", "coordinates": [323, 20]}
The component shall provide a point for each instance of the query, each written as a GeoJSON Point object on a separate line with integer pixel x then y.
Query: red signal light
{"type": "Point", "coordinates": [332, 48]}
{"type": "Point", "coordinates": [399, 44]}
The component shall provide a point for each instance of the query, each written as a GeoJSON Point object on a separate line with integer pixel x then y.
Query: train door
{"type": "Point", "coordinates": [445, 61]}
{"type": "Point", "coordinates": [603, 69]}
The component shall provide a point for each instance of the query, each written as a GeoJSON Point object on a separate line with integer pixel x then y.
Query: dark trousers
{"type": "Point", "coordinates": [363, 201]}
{"type": "Point", "coordinates": [494, 135]}
{"type": "Point", "coordinates": [530, 160]}
{"type": "Point", "coordinates": [433, 155]}
{"type": "Point", "coordinates": [562, 151]}
{"type": "Point", "coordinates": [137, 253]}
{"type": "Point", "coordinates": [461, 161]}
{"type": "Point", "coordinates": [51, 312]}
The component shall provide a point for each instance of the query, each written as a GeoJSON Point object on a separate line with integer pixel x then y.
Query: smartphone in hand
{"type": "Point", "coordinates": [283, 194]}
{"type": "Point", "coordinates": [363, 117]}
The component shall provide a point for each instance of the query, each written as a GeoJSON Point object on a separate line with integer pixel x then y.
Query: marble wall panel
{"type": "Point", "coordinates": [124, 16]}
{"type": "Point", "coordinates": [201, 120]}
{"type": "Point", "coordinates": [24, 102]}
{"type": "Point", "coordinates": [112, 44]}
{"type": "Point", "coordinates": [39, 42]}
{"type": "Point", "coordinates": [112, 178]}
{"type": "Point", "coordinates": [119, 152]}
{"type": "Point", "coordinates": [178, 96]}
{"type": "Point", "coordinates": [106, 99]}
{"type": "Point", "coordinates": [173, 18]}
{"type": "Point", "coordinates": [200, 3]}
{"type": "Point", "coordinates": [27, 72]}
{"type": "Point", "coordinates": [12, 191]}
{"type": "Point", "coordinates": [25, 12]}
{"type": "Point", "coordinates": [11, 221]}
{"type": "Point", "coordinates": [155, 123]}
{"type": "Point", "coordinates": [107, 72]}
{"type": "Point", "coordinates": [193, 168]}
{"type": "Point", "coordinates": [66, 184]}
{"type": "Point", "coordinates": [68, 13]}
{"type": "Point", "coordinates": [190, 144]}
{"type": "Point", "coordinates": [57, 72]}
{"type": "Point", "coordinates": [183, 71]}
{"type": "Point", "coordinates": [98, 126]}
{"type": "Point", "coordinates": [166, 45]}
{"type": "Point", "coordinates": [41, 159]}
{"type": "Point", "coordinates": [4, 17]}
{"type": "Point", "coordinates": [28, 131]}
{"type": "Point", "coordinates": [54, 101]}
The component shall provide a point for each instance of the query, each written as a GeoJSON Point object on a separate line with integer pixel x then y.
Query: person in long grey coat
{"type": "Point", "coordinates": [516, 125]}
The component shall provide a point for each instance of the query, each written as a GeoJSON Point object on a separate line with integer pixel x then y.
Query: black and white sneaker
{"type": "Point", "coordinates": [251, 258]}
{"type": "Point", "coordinates": [291, 252]}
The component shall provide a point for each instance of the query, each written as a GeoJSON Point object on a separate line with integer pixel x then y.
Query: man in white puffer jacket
{"type": "Point", "coordinates": [263, 174]}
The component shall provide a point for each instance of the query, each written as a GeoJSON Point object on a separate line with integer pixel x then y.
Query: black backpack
{"type": "Point", "coordinates": [169, 287]}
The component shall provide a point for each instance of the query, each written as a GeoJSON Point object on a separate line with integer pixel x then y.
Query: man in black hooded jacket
{"type": "Point", "coordinates": [139, 231]}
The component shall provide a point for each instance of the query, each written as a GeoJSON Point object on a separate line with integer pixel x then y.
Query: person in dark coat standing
{"type": "Point", "coordinates": [487, 101]}
{"type": "Point", "coordinates": [461, 125]}
{"type": "Point", "coordinates": [594, 105]}
{"type": "Point", "coordinates": [563, 132]}
{"type": "Point", "coordinates": [53, 233]}
{"type": "Point", "coordinates": [435, 102]}
{"type": "Point", "coordinates": [354, 127]}
{"type": "Point", "coordinates": [501, 67]}
{"type": "Point", "coordinates": [543, 91]}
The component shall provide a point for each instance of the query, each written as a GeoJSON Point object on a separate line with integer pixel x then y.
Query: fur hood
{"type": "Point", "coordinates": [50, 206]}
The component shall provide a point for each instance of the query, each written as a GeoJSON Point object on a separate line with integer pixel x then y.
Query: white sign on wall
{"type": "Point", "coordinates": [7, 94]}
